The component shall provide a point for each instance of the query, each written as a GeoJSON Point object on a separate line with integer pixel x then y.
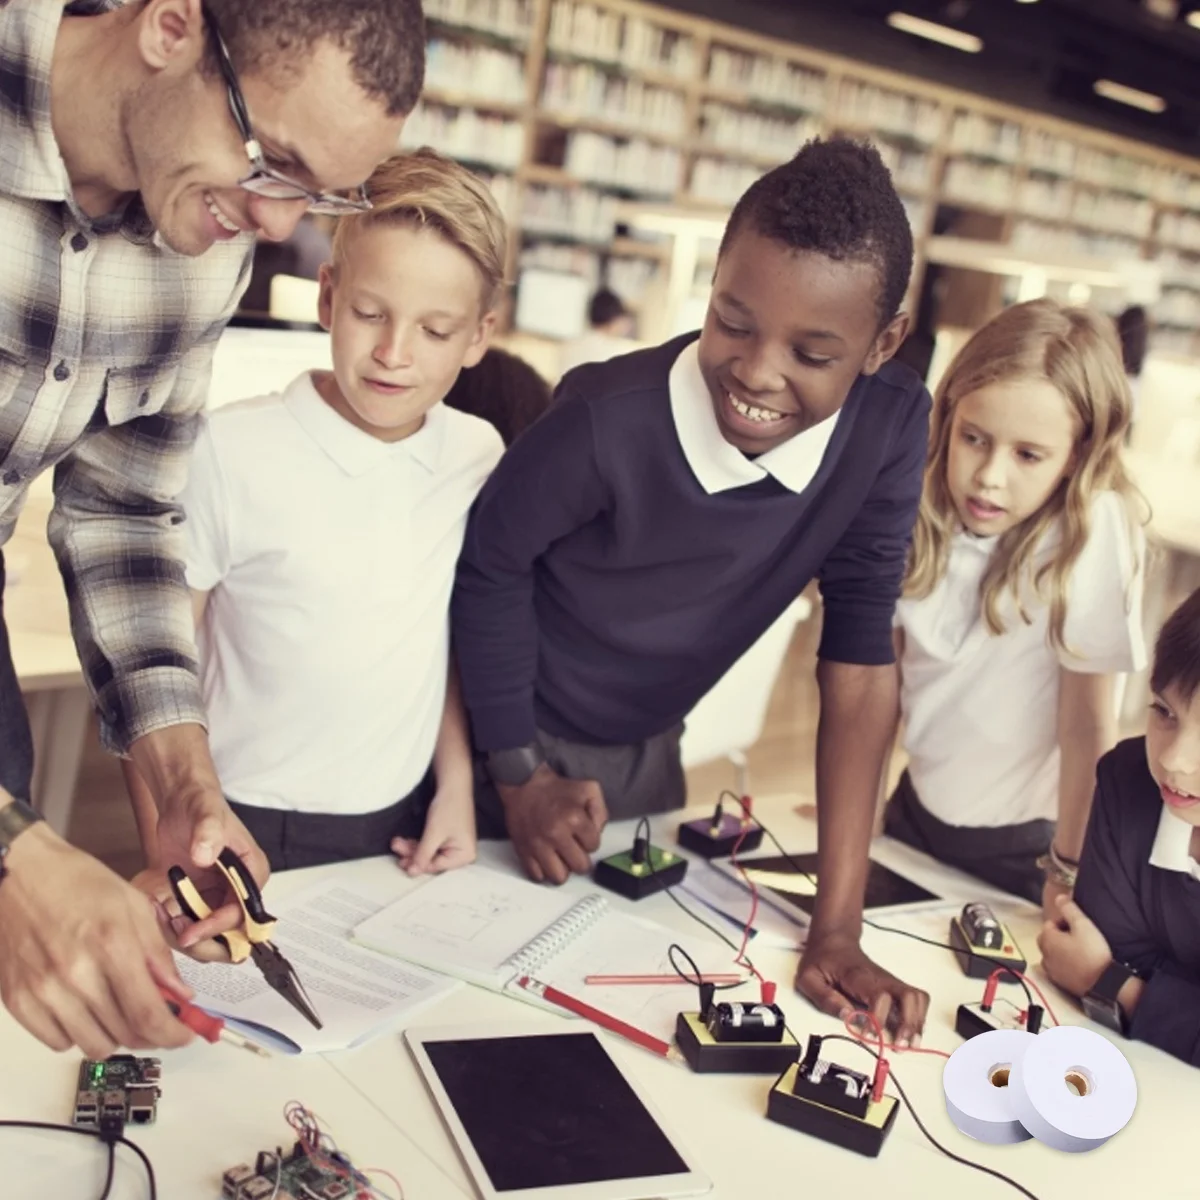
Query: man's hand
{"type": "Point", "coordinates": [1074, 951]}
{"type": "Point", "coordinates": [555, 823]}
{"type": "Point", "coordinates": [838, 977]}
{"type": "Point", "coordinates": [185, 821]}
{"type": "Point", "coordinates": [81, 956]}
{"type": "Point", "coordinates": [448, 840]}
{"type": "Point", "coordinates": [156, 887]}
{"type": "Point", "coordinates": [194, 826]}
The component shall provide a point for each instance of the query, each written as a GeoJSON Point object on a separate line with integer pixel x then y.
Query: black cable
{"type": "Point", "coordinates": [966, 1162]}
{"type": "Point", "coordinates": [91, 1133]}
{"type": "Point", "coordinates": [916, 937]}
{"type": "Point", "coordinates": [108, 1178]}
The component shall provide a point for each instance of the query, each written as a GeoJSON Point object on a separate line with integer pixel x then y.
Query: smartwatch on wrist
{"type": "Point", "coordinates": [1101, 1005]}
{"type": "Point", "coordinates": [15, 818]}
{"type": "Point", "coordinates": [514, 767]}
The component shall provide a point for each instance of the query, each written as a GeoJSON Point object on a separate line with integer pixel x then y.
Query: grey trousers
{"type": "Point", "coordinates": [637, 780]}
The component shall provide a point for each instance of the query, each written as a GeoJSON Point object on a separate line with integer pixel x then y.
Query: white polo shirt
{"type": "Point", "coordinates": [330, 559]}
{"type": "Point", "coordinates": [1172, 849]}
{"type": "Point", "coordinates": [981, 710]}
{"type": "Point", "coordinates": [720, 467]}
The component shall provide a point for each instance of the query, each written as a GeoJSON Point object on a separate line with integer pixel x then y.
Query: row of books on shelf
{"type": "Point", "coordinates": [482, 74]}
{"type": "Point", "coordinates": [621, 38]}
{"type": "Point", "coordinates": [467, 134]}
{"type": "Point", "coordinates": [587, 92]}
{"type": "Point", "coordinates": [506, 18]}
{"type": "Point", "coordinates": [628, 277]}
{"type": "Point", "coordinates": [635, 165]}
{"type": "Point", "coordinates": [739, 131]}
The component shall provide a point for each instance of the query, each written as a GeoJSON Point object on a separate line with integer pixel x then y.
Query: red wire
{"type": "Point", "coordinates": [870, 1016]}
{"type": "Point", "coordinates": [1029, 979]}
{"type": "Point", "coordinates": [741, 960]}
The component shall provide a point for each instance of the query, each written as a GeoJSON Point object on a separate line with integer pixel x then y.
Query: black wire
{"type": "Point", "coordinates": [966, 1162]}
{"type": "Point", "coordinates": [92, 1133]}
{"type": "Point", "coordinates": [108, 1178]}
{"type": "Point", "coordinates": [916, 937]}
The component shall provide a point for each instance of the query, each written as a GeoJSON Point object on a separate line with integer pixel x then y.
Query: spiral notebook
{"type": "Point", "coordinates": [491, 929]}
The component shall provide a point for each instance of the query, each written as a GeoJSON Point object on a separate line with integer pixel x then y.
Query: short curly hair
{"type": "Point", "coordinates": [385, 40]}
{"type": "Point", "coordinates": [834, 198]}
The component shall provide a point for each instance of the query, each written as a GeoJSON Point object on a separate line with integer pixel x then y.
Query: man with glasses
{"type": "Point", "coordinates": [142, 148]}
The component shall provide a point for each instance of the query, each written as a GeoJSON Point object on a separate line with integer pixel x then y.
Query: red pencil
{"type": "Point", "coordinates": [613, 1024]}
{"type": "Point", "coordinates": [605, 980]}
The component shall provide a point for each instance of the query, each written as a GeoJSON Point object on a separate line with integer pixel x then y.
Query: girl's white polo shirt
{"type": "Point", "coordinates": [980, 710]}
{"type": "Point", "coordinates": [329, 557]}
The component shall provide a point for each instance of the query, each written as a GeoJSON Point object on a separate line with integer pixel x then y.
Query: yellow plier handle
{"type": "Point", "coordinates": [257, 924]}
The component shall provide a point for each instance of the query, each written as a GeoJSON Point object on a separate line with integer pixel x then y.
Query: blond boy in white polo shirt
{"type": "Point", "coordinates": [323, 527]}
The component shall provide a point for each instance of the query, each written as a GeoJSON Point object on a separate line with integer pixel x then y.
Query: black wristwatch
{"type": "Point", "coordinates": [15, 818]}
{"type": "Point", "coordinates": [514, 767]}
{"type": "Point", "coordinates": [1101, 1005]}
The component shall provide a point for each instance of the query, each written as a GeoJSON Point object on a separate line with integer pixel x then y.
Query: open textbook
{"type": "Point", "coordinates": [356, 992]}
{"type": "Point", "coordinates": [491, 929]}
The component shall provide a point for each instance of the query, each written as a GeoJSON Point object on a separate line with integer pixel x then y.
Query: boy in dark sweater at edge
{"type": "Point", "coordinates": [1128, 943]}
{"type": "Point", "coordinates": [642, 535]}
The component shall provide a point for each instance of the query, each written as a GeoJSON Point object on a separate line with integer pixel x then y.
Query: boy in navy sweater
{"type": "Point", "coordinates": [1129, 942]}
{"type": "Point", "coordinates": [648, 529]}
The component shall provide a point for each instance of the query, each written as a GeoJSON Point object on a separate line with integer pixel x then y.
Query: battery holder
{"type": "Point", "coordinates": [718, 840]}
{"type": "Point", "coordinates": [978, 961]}
{"type": "Point", "coordinates": [706, 1055]}
{"type": "Point", "coordinates": [792, 1102]}
{"type": "Point", "coordinates": [972, 1019]}
{"type": "Point", "coordinates": [636, 875]}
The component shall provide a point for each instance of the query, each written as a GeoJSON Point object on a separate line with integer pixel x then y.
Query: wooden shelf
{"type": "Point", "coordinates": [696, 89]}
{"type": "Point", "coordinates": [662, 79]}
{"type": "Point", "coordinates": [632, 248]}
{"type": "Point", "coordinates": [734, 99]}
{"type": "Point", "coordinates": [615, 129]}
{"type": "Point", "coordinates": [464, 99]}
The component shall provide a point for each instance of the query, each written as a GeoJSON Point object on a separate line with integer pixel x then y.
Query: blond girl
{"type": "Point", "coordinates": [1022, 603]}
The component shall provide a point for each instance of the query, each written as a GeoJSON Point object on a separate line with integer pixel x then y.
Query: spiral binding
{"type": "Point", "coordinates": [551, 940]}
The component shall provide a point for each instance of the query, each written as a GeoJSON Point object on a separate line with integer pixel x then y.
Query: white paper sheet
{"type": "Point", "coordinates": [355, 991]}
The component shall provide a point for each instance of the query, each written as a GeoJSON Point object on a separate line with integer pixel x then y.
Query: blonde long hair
{"type": "Point", "coordinates": [1076, 350]}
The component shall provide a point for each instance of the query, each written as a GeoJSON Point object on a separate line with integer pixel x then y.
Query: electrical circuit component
{"type": "Point", "coordinates": [719, 835]}
{"type": "Point", "coordinates": [299, 1178]}
{"type": "Point", "coordinates": [117, 1091]}
{"type": "Point", "coordinates": [833, 1102]}
{"type": "Point", "coordinates": [641, 871]}
{"type": "Point", "coordinates": [981, 943]}
{"type": "Point", "coordinates": [735, 1038]}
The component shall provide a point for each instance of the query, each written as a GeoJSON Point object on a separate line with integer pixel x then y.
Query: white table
{"type": "Point", "coordinates": [221, 1106]}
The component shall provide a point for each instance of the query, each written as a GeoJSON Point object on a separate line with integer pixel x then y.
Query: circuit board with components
{"type": "Point", "coordinates": [120, 1089]}
{"type": "Point", "coordinates": [292, 1177]}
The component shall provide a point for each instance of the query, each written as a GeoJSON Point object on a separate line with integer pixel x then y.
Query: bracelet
{"type": "Point", "coordinates": [1057, 869]}
{"type": "Point", "coordinates": [1062, 860]}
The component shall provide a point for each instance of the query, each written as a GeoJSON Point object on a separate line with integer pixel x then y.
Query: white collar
{"type": "Point", "coordinates": [353, 449]}
{"type": "Point", "coordinates": [1173, 845]}
{"type": "Point", "coordinates": [717, 465]}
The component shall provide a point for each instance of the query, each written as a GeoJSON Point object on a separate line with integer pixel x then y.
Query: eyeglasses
{"type": "Point", "coordinates": [264, 180]}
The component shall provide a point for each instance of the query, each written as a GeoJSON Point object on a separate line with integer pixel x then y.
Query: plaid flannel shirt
{"type": "Point", "coordinates": [106, 342]}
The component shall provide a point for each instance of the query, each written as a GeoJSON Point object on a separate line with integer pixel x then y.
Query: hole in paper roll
{"type": "Point", "coordinates": [998, 1075]}
{"type": "Point", "coordinates": [1079, 1081]}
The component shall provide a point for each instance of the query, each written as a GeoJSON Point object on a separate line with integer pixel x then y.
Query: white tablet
{"type": "Point", "coordinates": [541, 1114]}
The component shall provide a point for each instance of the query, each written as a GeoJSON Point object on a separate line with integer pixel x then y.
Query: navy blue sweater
{"type": "Point", "coordinates": [601, 591]}
{"type": "Point", "coordinates": [1150, 917]}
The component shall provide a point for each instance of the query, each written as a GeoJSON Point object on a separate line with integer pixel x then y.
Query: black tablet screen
{"type": "Point", "coordinates": [550, 1110]}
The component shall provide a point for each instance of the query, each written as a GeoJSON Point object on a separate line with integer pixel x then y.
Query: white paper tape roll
{"type": "Point", "coordinates": [1073, 1089]}
{"type": "Point", "coordinates": [975, 1080]}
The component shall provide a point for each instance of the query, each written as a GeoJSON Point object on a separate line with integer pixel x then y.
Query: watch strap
{"type": "Point", "coordinates": [515, 766]}
{"type": "Point", "coordinates": [1106, 989]}
{"type": "Point", "coordinates": [15, 818]}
